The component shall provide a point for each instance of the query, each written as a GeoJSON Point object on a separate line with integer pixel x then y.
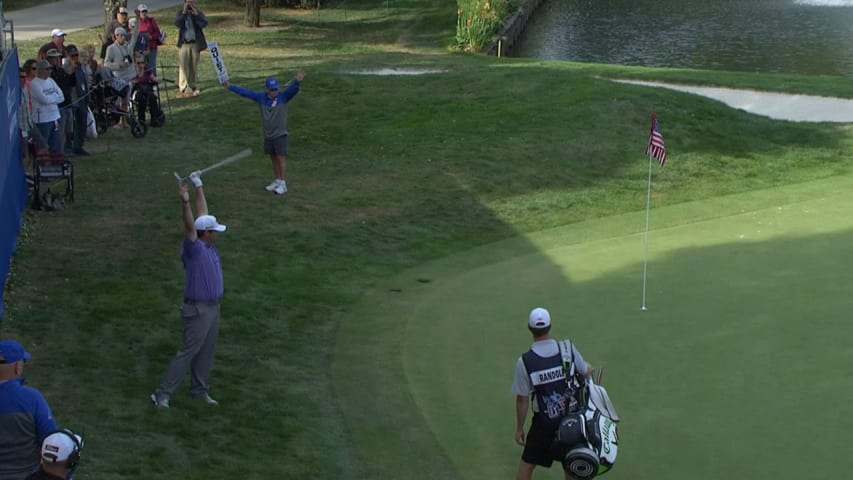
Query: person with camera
{"type": "Point", "coordinates": [191, 23]}
{"type": "Point", "coordinates": [60, 455]}
{"type": "Point", "coordinates": [549, 374]}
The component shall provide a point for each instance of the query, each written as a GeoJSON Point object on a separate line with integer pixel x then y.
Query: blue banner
{"type": "Point", "coordinates": [13, 183]}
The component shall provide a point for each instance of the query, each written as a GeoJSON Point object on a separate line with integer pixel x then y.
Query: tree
{"type": "Point", "coordinates": [252, 18]}
{"type": "Point", "coordinates": [110, 9]}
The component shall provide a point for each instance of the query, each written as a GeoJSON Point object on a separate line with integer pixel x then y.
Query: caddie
{"type": "Point", "coordinates": [541, 375]}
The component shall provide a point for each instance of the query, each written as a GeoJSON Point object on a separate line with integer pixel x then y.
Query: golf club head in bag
{"type": "Point", "coordinates": [578, 458]}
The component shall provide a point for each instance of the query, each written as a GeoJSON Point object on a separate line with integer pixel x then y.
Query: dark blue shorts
{"type": "Point", "coordinates": [539, 447]}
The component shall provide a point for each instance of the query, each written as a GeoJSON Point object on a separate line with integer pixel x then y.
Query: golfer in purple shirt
{"type": "Point", "coordinates": [200, 311]}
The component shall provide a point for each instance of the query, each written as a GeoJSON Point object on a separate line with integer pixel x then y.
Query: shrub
{"type": "Point", "coordinates": [478, 21]}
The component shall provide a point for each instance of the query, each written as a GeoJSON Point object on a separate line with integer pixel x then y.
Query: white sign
{"type": "Point", "coordinates": [218, 64]}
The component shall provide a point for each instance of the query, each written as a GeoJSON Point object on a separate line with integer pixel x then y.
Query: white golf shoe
{"type": "Point", "coordinates": [281, 188]}
{"type": "Point", "coordinates": [272, 186]}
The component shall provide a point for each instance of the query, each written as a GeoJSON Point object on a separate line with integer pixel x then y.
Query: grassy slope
{"type": "Point", "coordinates": [386, 173]}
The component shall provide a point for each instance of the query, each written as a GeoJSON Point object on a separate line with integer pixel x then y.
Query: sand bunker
{"type": "Point", "coordinates": [397, 71]}
{"type": "Point", "coordinates": [779, 106]}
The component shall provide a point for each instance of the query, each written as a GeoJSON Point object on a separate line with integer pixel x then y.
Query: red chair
{"type": "Point", "coordinates": [47, 168]}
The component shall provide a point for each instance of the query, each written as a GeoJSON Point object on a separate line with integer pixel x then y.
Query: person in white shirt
{"type": "Point", "coordinates": [119, 60]}
{"type": "Point", "coordinates": [46, 96]}
{"type": "Point", "coordinates": [119, 56]}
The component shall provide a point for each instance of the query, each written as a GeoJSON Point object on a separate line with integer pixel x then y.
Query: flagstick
{"type": "Point", "coordinates": [646, 241]}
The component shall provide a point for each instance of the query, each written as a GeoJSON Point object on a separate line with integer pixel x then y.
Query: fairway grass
{"type": "Point", "coordinates": [743, 339]}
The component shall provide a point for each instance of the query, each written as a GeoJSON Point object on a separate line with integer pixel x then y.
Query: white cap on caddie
{"type": "Point", "coordinates": [539, 318]}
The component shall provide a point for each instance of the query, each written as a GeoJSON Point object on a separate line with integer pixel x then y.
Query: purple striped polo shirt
{"type": "Point", "coordinates": [203, 271]}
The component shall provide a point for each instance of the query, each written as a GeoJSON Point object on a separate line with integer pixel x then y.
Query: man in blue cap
{"type": "Point", "coordinates": [273, 104]}
{"type": "Point", "coordinates": [25, 418]}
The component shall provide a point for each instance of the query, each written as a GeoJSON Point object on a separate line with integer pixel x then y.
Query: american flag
{"type": "Point", "coordinates": [656, 147]}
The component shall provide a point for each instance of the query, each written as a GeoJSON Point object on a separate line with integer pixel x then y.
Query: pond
{"type": "Point", "coordinates": [812, 37]}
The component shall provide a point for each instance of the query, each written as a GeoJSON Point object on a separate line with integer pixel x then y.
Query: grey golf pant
{"type": "Point", "coordinates": [201, 329]}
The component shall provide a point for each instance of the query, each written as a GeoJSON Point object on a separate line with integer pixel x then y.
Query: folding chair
{"type": "Point", "coordinates": [47, 168]}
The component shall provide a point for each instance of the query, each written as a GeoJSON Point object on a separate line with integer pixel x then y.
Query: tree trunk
{"type": "Point", "coordinates": [110, 9]}
{"type": "Point", "coordinates": [252, 18]}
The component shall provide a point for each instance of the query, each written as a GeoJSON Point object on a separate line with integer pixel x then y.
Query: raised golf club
{"type": "Point", "coordinates": [233, 158]}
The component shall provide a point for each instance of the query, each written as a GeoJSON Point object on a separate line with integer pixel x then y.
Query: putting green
{"type": "Point", "coordinates": [739, 369]}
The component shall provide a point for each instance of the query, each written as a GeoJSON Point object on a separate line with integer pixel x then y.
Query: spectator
{"type": "Point", "coordinates": [119, 57]}
{"type": "Point", "coordinates": [200, 310]}
{"type": "Point", "coordinates": [191, 23]}
{"type": "Point", "coordinates": [120, 20]}
{"type": "Point", "coordinates": [57, 41]}
{"type": "Point", "coordinates": [89, 63]}
{"type": "Point", "coordinates": [25, 112]}
{"type": "Point", "coordinates": [60, 455]}
{"type": "Point", "coordinates": [25, 417]}
{"type": "Point", "coordinates": [144, 84]}
{"type": "Point", "coordinates": [120, 61]}
{"type": "Point", "coordinates": [66, 84]}
{"type": "Point", "coordinates": [46, 96]}
{"type": "Point", "coordinates": [133, 30]}
{"type": "Point", "coordinates": [79, 100]}
{"type": "Point", "coordinates": [150, 37]}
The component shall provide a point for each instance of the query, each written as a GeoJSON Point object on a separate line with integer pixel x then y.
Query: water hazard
{"type": "Point", "coordinates": [813, 37]}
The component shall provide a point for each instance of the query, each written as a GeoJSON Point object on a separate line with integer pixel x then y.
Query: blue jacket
{"type": "Point", "coordinates": [25, 420]}
{"type": "Point", "coordinates": [273, 110]}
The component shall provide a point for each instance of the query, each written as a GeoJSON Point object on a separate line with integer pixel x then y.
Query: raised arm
{"type": "Point", "coordinates": [200, 201]}
{"type": "Point", "coordinates": [187, 213]}
{"type": "Point", "coordinates": [245, 92]}
{"type": "Point", "coordinates": [293, 87]}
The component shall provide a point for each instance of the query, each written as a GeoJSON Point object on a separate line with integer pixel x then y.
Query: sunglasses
{"type": "Point", "coordinates": [33, 69]}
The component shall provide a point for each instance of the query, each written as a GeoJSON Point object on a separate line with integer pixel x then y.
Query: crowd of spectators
{"type": "Point", "coordinates": [57, 85]}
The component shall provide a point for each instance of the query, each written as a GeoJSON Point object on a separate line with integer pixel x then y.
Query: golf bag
{"type": "Point", "coordinates": [586, 442]}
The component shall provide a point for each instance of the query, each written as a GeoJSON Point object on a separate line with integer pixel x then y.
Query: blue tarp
{"type": "Point", "coordinates": [13, 184]}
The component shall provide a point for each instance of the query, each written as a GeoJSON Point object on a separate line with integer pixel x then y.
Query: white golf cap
{"type": "Point", "coordinates": [58, 446]}
{"type": "Point", "coordinates": [539, 318]}
{"type": "Point", "coordinates": [57, 33]}
{"type": "Point", "coordinates": [208, 222]}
